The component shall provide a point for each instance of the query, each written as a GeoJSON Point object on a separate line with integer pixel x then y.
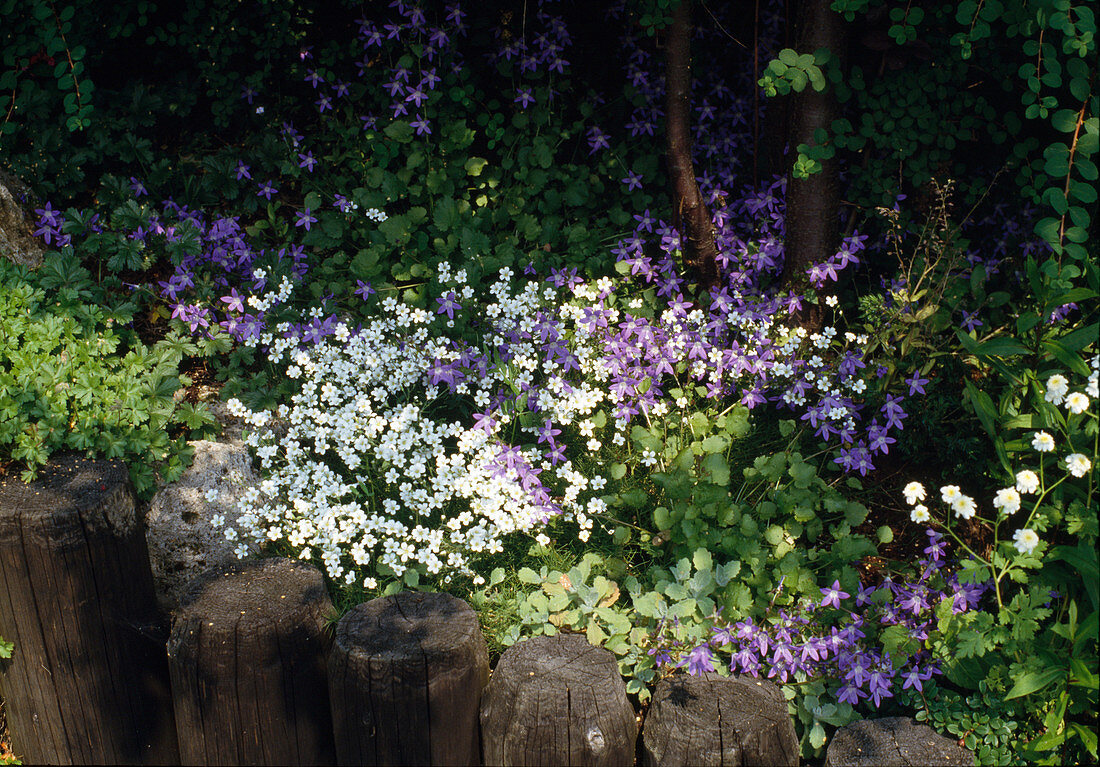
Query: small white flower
{"type": "Point", "coordinates": [1057, 386]}
{"type": "Point", "coordinates": [1078, 464]}
{"type": "Point", "coordinates": [913, 492]}
{"type": "Point", "coordinates": [831, 300]}
{"type": "Point", "coordinates": [211, 495]}
{"type": "Point", "coordinates": [1027, 481]}
{"type": "Point", "coordinates": [1077, 403]}
{"type": "Point", "coordinates": [950, 493]}
{"type": "Point", "coordinates": [1007, 500]}
{"type": "Point", "coordinates": [920, 514]}
{"type": "Point", "coordinates": [1026, 540]}
{"type": "Point", "coordinates": [964, 507]}
{"type": "Point", "coordinates": [1042, 441]}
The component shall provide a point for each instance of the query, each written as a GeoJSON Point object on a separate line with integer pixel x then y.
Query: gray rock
{"type": "Point", "coordinates": [895, 741]}
{"type": "Point", "coordinates": [17, 242]}
{"type": "Point", "coordinates": [183, 541]}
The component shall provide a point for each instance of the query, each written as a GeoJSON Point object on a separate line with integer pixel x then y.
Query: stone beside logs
{"type": "Point", "coordinates": [894, 741]}
{"type": "Point", "coordinates": [406, 675]}
{"type": "Point", "coordinates": [88, 681]}
{"type": "Point", "coordinates": [247, 655]}
{"type": "Point", "coordinates": [714, 720]}
{"type": "Point", "coordinates": [557, 700]}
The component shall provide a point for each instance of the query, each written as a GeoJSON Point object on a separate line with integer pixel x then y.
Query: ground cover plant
{"type": "Point", "coordinates": [432, 255]}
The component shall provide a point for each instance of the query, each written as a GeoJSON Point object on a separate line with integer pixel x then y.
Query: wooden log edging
{"type": "Point", "coordinates": [894, 740]}
{"type": "Point", "coordinates": [247, 656]}
{"type": "Point", "coordinates": [557, 700]}
{"type": "Point", "coordinates": [709, 719]}
{"type": "Point", "coordinates": [88, 682]}
{"type": "Point", "coordinates": [406, 675]}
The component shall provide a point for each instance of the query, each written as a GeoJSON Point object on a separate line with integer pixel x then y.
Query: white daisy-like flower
{"type": "Point", "coordinates": [1007, 500]}
{"type": "Point", "coordinates": [1077, 464]}
{"type": "Point", "coordinates": [913, 492]}
{"type": "Point", "coordinates": [1027, 481]}
{"type": "Point", "coordinates": [1057, 387]}
{"type": "Point", "coordinates": [964, 507]}
{"type": "Point", "coordinates": [950, 493]}
{"type": "Point", "coordinates": [1042, 441]}
{"type": "Point", "coordinates": [920, 514]}
{"type": "Point", "coordinates": [1077, 403]}
{"type": "Point", "coordinates": [1025, 540]}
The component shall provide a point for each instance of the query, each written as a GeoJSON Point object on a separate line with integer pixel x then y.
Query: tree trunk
{"type": "Point", "coordinates": [689, 215]}
{"type": "Point", "coordinates": [813, 203]}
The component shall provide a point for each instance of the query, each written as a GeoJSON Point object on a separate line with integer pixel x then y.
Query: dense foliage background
{"type": "Point", "coordinates": [771, 328]}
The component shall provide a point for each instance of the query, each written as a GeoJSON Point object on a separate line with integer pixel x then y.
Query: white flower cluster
{"type": "Point", "coordinates": [375, 215]}
{"type": "Point", "coordinates": [792, 343]}
{"type": "Point", "coordinates": [365, 467]}
{"type": "Point", "coordinates": [279, 295]}
{"type": "Point", "coordinates": [1007, 501]}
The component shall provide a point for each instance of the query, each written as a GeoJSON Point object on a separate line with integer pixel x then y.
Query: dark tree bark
{"type": "Point", "coordinates": [689, 215]}
{"type": "Point", "coordinates": [813, 203]}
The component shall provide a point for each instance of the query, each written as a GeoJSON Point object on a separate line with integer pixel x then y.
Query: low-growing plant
{"type": "Point", "coordinates": [73, 376]}
{"type": "Point", "coordinates": [983, 721]}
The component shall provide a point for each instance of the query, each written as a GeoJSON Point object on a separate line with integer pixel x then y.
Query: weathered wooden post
{"type": "Point", "coordinates": [88, 681]}
{"type": "Point", "coordinates": [896, 740]}
{"type": "Point", "coordinates": [557, 700]}
{"type": "Point", "coordinates": [722, 721]}
{"type": "Point", "coordinates": [405, 678]}
{"type": "Point", "coordinates": [247, 656]}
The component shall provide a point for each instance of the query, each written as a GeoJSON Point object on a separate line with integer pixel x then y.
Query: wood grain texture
{"type": "Point", "coordinates": [555, 701]}
{"type": "Point", "coordinates": [88, 681]}
{"type": "Point", "coordinates": [897, 741]}
{"type": "Point", "coordinates": [247, 655]}
{"type": "Point", "coordinates": [718, 721]}
{"type": "Point", "coordinates": [405, 677]}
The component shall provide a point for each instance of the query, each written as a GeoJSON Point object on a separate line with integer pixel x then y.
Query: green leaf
{"type": "Point", "coordinates": [527, 575]}
{"type": "Point", "coordinates": [983, 407]}
{"type": "Point", "coordinates": [399, 131]}
{"type": "Point", "coordinates": [661, 518]}
{"type": "Point", "coordinates": [474, 165]}
{"type": "Point", "coordinates": [1034, 681]}
{"type": "Point", "coordinates": [714, 444]}
{"type": "Point", "coordinates": [1068, 358]}
{"type": "Point", "coordinates": [1001, 346]}
{"type": "Point", "coordinates": [817, 735]}
{"type": "Point", "coordinates": [702, 560]}
{"type": "Point", "coordinates": [1064, 120]}
{"type": "Point", "coordinates": [649, 604]}
{"type": "Point", "coordinates": [718, 468]}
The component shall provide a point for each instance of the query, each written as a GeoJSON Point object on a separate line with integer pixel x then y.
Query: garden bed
{"type": "Point", "coordinates": [495, 327]}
